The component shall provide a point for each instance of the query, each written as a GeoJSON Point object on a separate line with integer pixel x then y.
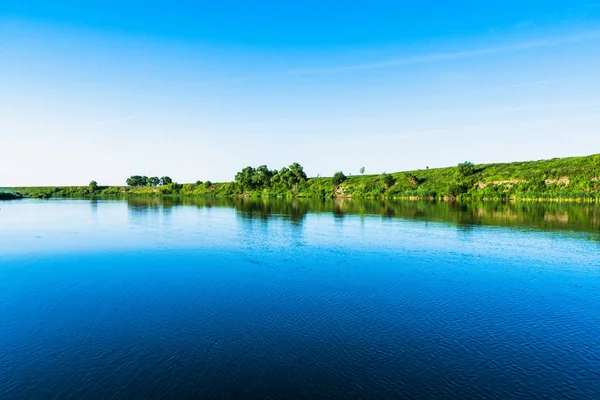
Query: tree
{"type": "Point", "coordinates": [165, 180]}
{"type": "Point", "coordinates": [136, 180]}
{"type": "Point", "coordinates": [387, 179]}
{"type": "Point", "coordinates": [456, 188]}
{"type": "Point", "coordinates": [93, 186]}
{"type": "Point", "coordinates": [154, 181]}
{"type": "Point", "coordinates": [362, 170]}
{"type": "Point", "coordinates": [261, 178]}
{"type": "Point", "coordinates": [288, 178]}
{"type": "Point", "coordinates": [466, 169]}
{"type": "Point", "coordinates": [244, 178]}
{"type": "Point", "coordinates": [463, 180]}
{"type": "Point", "coordinates": [338, 178]}
{"type": "Point", "coordinates": [293, 176]}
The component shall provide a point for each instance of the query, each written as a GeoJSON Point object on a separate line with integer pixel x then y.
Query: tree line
{"type": "Point", "coordinates": [287, 178]}
{"type": "Point", "coordinates": [576, 177]}
{"type": "Point", "coordinates": [139, 180]}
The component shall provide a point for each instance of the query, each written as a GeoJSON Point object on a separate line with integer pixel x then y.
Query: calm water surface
{"type": "Point", "coordinates": [229, 299]}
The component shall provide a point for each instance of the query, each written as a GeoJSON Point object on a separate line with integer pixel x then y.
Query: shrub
{"type": "Point", "coordinates": [387, 179]}
{"type": "Point", "coordinates": [412, 180]}
{"type": "Point", "coordinates": [338, 178]}
{"type": "Point", "coordinates": [466, 169]}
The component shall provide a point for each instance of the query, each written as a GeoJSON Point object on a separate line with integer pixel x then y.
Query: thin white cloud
{"type": "Point", "coordinates": [437, 57]}
{"type": "Point", "coordinates": [521, 84]}
{"type": "Point", "coordinates": [117, 119]}
{"type": "Point", "coordinates": [419, 133]}
{"type": "Point", "coordinates": [541, 107]}
{"type": "Point", "coordinates": [368, 138]}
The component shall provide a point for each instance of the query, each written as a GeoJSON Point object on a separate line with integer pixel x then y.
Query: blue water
{"type": "Point", "coordinates": [117, 299]}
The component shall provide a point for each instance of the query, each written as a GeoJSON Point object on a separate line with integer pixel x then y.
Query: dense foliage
{"type": "Point", "coordinates": [338, 178]}
{"type": "Point", "coordinates": [557, 179]}
{"type": "Point", "coordinates": [250, 179]}
{"type": "Point", "coordinates": [9, 196]}
{"type": "Point", "coordinates": [138, 180]}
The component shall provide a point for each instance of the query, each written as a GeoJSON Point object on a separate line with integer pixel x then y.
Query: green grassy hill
{"type": "Point", "coordinates": [574, 178]}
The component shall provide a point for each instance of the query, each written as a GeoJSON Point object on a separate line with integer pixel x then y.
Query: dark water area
{"type": "Point", "coordinates": [298, 299]}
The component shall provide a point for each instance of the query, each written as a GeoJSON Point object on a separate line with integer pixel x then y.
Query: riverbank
{"type": "Point", "coordinates": [9, 196]}
{"type": "Point", "coordinates": [559, 179]}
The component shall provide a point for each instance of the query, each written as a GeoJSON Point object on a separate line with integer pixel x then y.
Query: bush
{"type": "Point", "coordinates": [412, 180]}
{"type": "Point", "coordinates": [387, 179]}
{"type": "Point", "coordinates": [466, 169]}
{"type": "Point", "coordinates": [338, 178]}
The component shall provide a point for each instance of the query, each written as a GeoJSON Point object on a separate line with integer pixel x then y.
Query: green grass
{"type": "Point", "coordinates": [561, 179]}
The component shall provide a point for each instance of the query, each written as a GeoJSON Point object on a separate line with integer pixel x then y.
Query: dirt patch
{"type": "Point", "coordinates": [481, 185]}
{"type": "Point", "coordinates": [596, 179]}
{"type": "Point", "coordinates": [562, 181]}
{"type": "Point", "coordinates": [340, 190]}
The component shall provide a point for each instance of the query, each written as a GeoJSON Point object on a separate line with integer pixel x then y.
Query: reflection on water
{"type": "Point", "coordinates": [543, 216]}
{"type": "Point", "coordinates": [298, 299]}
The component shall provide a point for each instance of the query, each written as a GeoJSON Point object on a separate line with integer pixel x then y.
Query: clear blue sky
{"type": "Point", "coordinates": [197, 90]}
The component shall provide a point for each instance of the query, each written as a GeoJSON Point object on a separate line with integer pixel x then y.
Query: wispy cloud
{"type": "Point", "coordinates": [541, 107]}
{"type": "Point", "coordinates": [438, 57]}
{"type": "Point", "coordinates": [419, 133]}
{"type": "Point", "coordinates": [522, 84]}
{"type": "Point", "coordinates": [116, 120]}
{"type": "Point", "coordinates": [368, 138]}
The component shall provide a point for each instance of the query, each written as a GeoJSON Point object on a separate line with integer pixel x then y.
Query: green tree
{"type": "Point", "coordinates": [294, 176]}
{"type": "Point", "coordinates": [338, 178]}
{"type": "Point", "coordinates": [154, 181]}
{"type": "Point", "coordinates": [165, 180]}
{"type": "Point", "coordinates": [136, 180]}
{"type": "Point", "coordinates": [362, 170]}
{"type": "Point", "coordinates": [466, 169]}
{"type": "Point", "coordinates": [463, 179]}
{"type": "Point", "coordinates": [93, 186]}
{"type": "Point", "coordinates": [244, 178]}
{"type": "Point", "coordinates": [387, 179]}
{"type": "Point", "coordinates": [261, 178]}
{"type": "Point", "coordinates": [456, 188]}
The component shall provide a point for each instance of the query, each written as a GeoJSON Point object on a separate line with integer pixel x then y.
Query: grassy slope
{"type": "Point", "coordinates": [560, 178]}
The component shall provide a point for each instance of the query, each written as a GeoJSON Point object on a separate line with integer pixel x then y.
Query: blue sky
{"type": "Point", "coordinates": [198, 90]}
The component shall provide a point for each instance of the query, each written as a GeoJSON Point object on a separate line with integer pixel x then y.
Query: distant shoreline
{"type": "Point", "coordinates": [573, 179]}
{"type": "Point", "coordinates": [9, 196]}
